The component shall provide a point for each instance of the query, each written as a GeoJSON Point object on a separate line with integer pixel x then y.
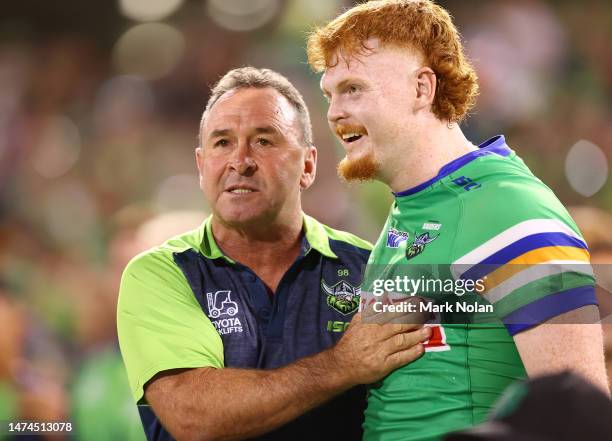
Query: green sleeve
{"type": "Point", "coordinates": [160, 324]}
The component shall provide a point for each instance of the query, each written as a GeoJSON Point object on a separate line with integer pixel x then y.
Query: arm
{"type": "Point", "coordinates": [572, 340]}
{"type": "Point", "coordinates": [207, 403]}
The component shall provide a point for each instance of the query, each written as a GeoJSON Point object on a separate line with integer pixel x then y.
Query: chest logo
{"type": "Point", "coordinates": [221, 310]}
{"type": "Point", "coordinates": [343, 297]}
{"type": "Point", "coordinates": [221, 303]}
{"type": "Point", "coordinates": [432, 225]}
{"type": "Point", "coordinates": [395, 238]}
{"type": "Point", "coordinates": [418, 244]}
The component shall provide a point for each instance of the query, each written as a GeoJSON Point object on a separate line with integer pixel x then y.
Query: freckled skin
{"type": "Point", "coordinates": [260, 148]}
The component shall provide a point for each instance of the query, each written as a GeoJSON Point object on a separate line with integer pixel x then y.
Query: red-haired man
{"type": "Point", "coordinates": [398, 84]}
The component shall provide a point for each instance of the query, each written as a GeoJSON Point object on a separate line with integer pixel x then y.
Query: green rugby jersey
{"type": "Point", "coordinates": [485, 208]}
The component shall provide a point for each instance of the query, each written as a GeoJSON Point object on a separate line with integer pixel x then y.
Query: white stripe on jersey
{"type": "Point", "coordinates": [508, 237]}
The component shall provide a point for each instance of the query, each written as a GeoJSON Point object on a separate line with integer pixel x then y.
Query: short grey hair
{"type": "Point", "coordinates": [247, 77]}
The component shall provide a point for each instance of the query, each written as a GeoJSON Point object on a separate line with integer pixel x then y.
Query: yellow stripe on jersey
{"type": "Point", "coordinates": [558, 254]}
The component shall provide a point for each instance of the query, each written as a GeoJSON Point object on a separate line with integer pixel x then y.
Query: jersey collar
{"type": "Point", "coordinates": [496, 145]}
{"type": "Point", "coordinates": [315, 237]}
{"type": "Point", "coordinates": [209, 247]}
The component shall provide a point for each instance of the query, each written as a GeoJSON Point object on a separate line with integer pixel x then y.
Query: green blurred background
{"type": "Point", "coordinates": [99, 109]}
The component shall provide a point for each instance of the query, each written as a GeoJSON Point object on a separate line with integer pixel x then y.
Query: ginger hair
{"type": "Point", "coordinates": [414, 24]}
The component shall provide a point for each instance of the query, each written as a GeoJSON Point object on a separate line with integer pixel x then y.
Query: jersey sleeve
{"type": "Point", "coordinates": [519, 240]}
{"type": "Point", "coordinates": [160, 323]}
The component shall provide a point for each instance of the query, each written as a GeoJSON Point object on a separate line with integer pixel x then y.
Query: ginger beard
{"type": "Point", "coordinates": [364, 168]}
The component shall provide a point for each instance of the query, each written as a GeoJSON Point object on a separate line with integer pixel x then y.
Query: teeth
{"type": "Point", "coordinates": [241, 190]}
{"type": "Point", "coordinates": [350, 135]}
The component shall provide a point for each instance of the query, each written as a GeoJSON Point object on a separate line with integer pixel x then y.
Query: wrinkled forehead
{"type": "Point", "coordinates": [248, 107]}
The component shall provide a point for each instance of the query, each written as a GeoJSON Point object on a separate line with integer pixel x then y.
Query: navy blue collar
{"type": "Point", "coordinates": [496, 145]}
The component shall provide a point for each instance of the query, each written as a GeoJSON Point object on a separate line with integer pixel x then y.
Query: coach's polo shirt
{"type": "Point", "coordinates": [185, 304]}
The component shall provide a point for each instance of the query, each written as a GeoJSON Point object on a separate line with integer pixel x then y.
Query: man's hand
{"type": "Point", "coordinates": [368, 352]}
{"type": "Point", "coordinates": [229, 404]}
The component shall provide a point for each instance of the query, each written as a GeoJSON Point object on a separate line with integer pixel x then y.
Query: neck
{"type": "Point", "coordinates": [258, 245]}
{"type": "Point", "coordinates": [435, 146]}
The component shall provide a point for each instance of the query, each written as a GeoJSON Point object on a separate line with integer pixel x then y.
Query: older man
{"type": "Point", "coordinates": [225, 330]}
{"type": "Point", "coordinates": [398, 83]}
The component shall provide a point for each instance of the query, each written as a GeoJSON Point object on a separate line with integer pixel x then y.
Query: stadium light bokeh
{"type": "Point", "coordinates": [149, 50]}
{"type": "Point", "coordinates": [148, 10]}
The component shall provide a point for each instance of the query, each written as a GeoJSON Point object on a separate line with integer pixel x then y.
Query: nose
{"type": "Point", "coordinates": [336, 111]}
{"type": "Point", "coordinates": [241, 160]}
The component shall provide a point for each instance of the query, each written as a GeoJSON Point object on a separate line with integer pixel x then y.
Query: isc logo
{"type": "Point", "coordinates": [337, 326]}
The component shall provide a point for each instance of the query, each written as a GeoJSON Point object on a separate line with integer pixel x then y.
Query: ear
{"type": "Point", "coordinates": [200, 164]}
{"type": "Point", "coordinates": [426, 82]}
{"type": "Point", "coordinates": [310, 168]}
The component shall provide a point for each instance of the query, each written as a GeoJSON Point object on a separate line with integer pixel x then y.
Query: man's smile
{"type": "Point", "coordinates": [240, 189]}
{"type": "Point", "coordinates": [350, 134]}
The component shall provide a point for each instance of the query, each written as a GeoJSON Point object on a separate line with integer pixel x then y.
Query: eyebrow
{"type": "Point", "coordinates": [266, 130]}
{"type": "Point", "coordinates": [258, 130]}
{"type": "Point", "coordinates": [341, 85]}
{"type": "Point", "coordinates": [219, 132]}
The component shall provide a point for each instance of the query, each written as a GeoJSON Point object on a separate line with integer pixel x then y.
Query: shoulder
{"type": "Point", "coordinates": [337, 241]}
{"type": "Point", "coordinates": [348, 241]}
{"type": "Point", "coordinates": [153, 275]}
{"type": "Point", "coordinates": [508, 194]}
{"type": "Point", "coordinates": [161, 257]}
{"type": "Point", "coordinates": [512, 209]}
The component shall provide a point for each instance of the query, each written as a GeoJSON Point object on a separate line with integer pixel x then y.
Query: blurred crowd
{"type": "Point", "coordinates": [99, 112]}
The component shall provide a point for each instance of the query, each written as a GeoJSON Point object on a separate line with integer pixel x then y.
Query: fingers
{"type": "Point", "coordinates": [407, 340]}
{"type": "Point", "coordinates": [401, 358]}
{"type": "Point", "coordinates": [367, 352]}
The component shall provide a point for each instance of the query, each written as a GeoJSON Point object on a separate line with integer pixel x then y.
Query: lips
{"type": "Point", "coordinates": [240, 189]}
{"type": "Point", "coordinates": [350, 134]}
{"type": "Point", "coordinates": [351, 137]}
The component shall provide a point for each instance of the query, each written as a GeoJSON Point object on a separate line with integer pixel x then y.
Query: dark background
{"type": "Point", "coordinates": [99, 109]}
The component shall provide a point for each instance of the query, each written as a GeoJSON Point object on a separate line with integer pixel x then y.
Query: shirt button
{"type": "Point", "coordinates": [250, 277]}
{"type": "Point", "coordinates": [264, 313]}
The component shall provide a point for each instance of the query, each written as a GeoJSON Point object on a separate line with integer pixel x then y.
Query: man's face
{"type": "Point", "coordinates": [252, 161]}
{"type": "Point", "coordinates": [370, 107]}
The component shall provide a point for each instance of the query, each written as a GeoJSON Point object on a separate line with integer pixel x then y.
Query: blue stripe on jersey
{"type": "Point", "coordinates": [548, 307]}
{"type": "Point", "coordinates": [496, 145]}
{"type": "Point", "coordinates": [521, 246]}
